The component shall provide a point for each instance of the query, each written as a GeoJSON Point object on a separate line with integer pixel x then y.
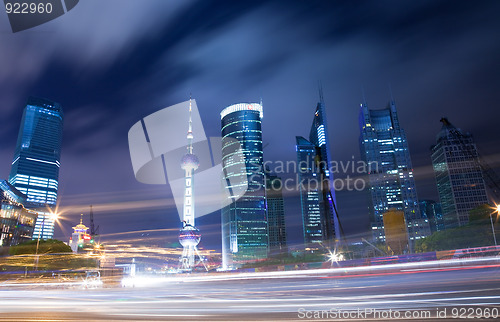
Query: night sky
{"type": "Point", "coordinates": [110, 63]}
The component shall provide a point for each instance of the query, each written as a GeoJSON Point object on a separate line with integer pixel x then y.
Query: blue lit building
{"type": "Point", "coordinates": [36, 162]}
{"type": "Point", "coordinates": [244, 220]}
{"type": "Point", "coordinates": [384, 147]}
{"type": "Point", "coordinates": [459, 177]}
{"type": "Point", "coordinates": [317, 196]}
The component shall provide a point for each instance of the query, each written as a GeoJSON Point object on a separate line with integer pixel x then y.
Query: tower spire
{"type": "Point", "coordinates": [190, 128]}
{"type": "Point", "coordinates": [390, 92]}
{"type": "Point", "coordinates": [189, 236]}
{"type": "Point", "coordinates": [320, 88]}
{"type": "Point", "coordinates": [363, 93]}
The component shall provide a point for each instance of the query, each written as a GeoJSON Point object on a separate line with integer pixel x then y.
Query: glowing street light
{"type": "Point", "coordinates": [52, 216]}
{"type": "Point", "coordinates": [497, 211]}
{"type": "Point", "coordinates": [334, 256]}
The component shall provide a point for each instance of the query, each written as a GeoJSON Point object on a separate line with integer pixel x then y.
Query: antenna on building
{"type": "Point", "coordinates": [320, 88]}
{"type": "Point", "coordinates": [94, 231]}
{"type": "Point", "coordinates": [390, 92]}
{"type": "Point", "coordinates": [363, 94]}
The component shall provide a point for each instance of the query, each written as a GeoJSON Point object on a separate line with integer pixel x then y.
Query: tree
{"type": "Point", "coordinates": [45, 247]}
{"type": "Point", "coordinates": [476, 234]}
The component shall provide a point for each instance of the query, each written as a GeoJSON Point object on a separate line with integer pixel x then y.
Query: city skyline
{"type": "Point", "coordinates": [434, 71]}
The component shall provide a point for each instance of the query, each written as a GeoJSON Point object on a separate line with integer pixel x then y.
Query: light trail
{"type": "Point", "coordinates": [274, 295]}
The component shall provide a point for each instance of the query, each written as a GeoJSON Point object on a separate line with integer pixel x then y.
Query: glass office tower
{"type": "Point", "coordinates": [275, 214]}
{"type": "Point", "coordinates": [458, 175]}
{"type": "Point", "coordinates": [35, 167]}
{"type": "Point", "coordinates": [244, 221]}
{"type": "Point", "coordinates": [312, 211]}
{"type": "Point", "coordinates": [317, 196]}
{"type": "Point", "coordinates": [384, 147]}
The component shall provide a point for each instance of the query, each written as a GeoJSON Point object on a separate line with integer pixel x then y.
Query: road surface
{"type": "Point", "coordinates": [407, 292]}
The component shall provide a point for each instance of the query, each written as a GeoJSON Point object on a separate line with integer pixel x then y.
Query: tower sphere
{"type": "Point", "coordinates": [189, 236]}
{"type": "Point", "coordinates": [190, 161]}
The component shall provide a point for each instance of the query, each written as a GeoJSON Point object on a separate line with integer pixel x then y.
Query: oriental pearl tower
{"type": "Point", "coordinates": [189, 236]}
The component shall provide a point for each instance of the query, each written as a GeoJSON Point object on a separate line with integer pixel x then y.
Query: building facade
{"type": "Point", "coordinates": [384, 148]}
{"type": "Point", "coordinates": [80, 237]}
{"type": "Point", "coordinates": [244, 220]}
{"type": "Point", "coordinates": [36, 162]}
{"type": "Point", "coordinates": [317, 196]}
{"type": "Point", "coordinates": [16, 222]}
{"type": "Point", "coordinates": [432, 211]}
{"type": "Point", "coordinates": [458, 175]}
{"type": "Point", "coordinates": [275, 214]}
{"type": "Point", "coordinates": [313, 225]}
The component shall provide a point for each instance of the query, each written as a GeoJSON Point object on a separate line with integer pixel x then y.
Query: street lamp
{"type": "Point", "coordinates": [497, 210]}
{"type": "Point", "coordinates": [53, 216]}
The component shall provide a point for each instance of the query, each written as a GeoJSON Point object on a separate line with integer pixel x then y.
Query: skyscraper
{"type": "Point", "coordinates": [275, 214]}
{"type": "Point", "coordinates": [317, 196]}
{"type": "Point", "coordinates": [244, 221]}
{"type": "Point", "coordinates": [312, 211]}
{"type": "Point", "coordinates": [458, 175]}
{"type": "Point", "coordinates": [384, 147]}
{"type": "Point", "coordinates": [36, 162]}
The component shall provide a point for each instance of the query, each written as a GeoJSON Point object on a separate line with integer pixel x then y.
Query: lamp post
{"type": "Point", "coordinates": [40, 233]}
{"type": "Point", "coordinates": [38, 242]}
{"type": "Point", "coordinates": [497, 210]}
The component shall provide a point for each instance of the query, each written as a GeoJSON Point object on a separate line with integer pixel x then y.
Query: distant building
{"type": "Point", "coordinates": [432, 211]}
{"type": "Point", "coordinates": [80, 237]}
{"type": "Point", "coordinates": [275, 214]}
{"type": "Point", "coordinates": [310, 192]}
{"type": "Point", "coordinates": [36, 162]}
{"type": "Point", "coordinates": [458, 175]}
{"type": "Point", "coordinates": [391, 184]}
{"type": "Point", "coordinates": [16, 222]}
{"type": "Point", "coordinates": [244, 221]}
{"type": "Point", "coordinates": [317, 196]}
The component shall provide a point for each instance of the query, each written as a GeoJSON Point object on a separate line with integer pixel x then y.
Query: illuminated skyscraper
{"type": "Point", "coordinates": [383, 143]}
{"type": "Point", "coordinates": [317, 196]}
{"type": "Point", "coordinates": [459, 177]}
{"type": "Point", "coordinates": [310, 191]}
{"type": "Point", "coordinates": [244, 221]}
{"type": "Point", "coordinates": [35, 167]}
